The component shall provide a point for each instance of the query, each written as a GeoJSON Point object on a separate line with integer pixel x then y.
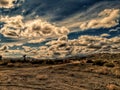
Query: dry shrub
{"type": "Point", "coordinates": [3, 63]}
{"type": "Point", "coordinates": [109, 65]}
{"type": "Point", "coordinates": [117, 62]}
{"type": "Point", "coordinates": [10, 64]}
{"type": "Point", "coordinates": [99, 62]}
{"type": "Point", "coordinates": [89, 61]}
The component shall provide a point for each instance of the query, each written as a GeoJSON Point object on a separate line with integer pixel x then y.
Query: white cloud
{"type": "Point", "coordinates": [16, 27]}
{"type": "Point", "coordinates": [12, 26]}
{"type": "Point", "coordinates": [106, 19]}
{"type": "Point", "coordinates": [4, 48]}
{"type": "Point", "coordinates": [92, 19]}
{"type": "Point", "coordinates": [83, 45]}
{"type": "Point", "coordinates": [38, 28]}
{"type": "Point", "coordinates": [32, 31]}
{"type": "Point", "coordinates": [36, 40]}
{"type": "Point", "coordinates": [36, 31]}
{"type": "Point", "coordinates": [27, 48]}
{"type": "Point", "coordinates": [63, 48]}
{"type": "Point", "coordinates": [105, 35]}
{"type": "Point", "coordinates": [115, 40]}
{"type": "Point", "coordinates": [8, 3]}
{"type": "Point", "coordinates": [117, 29]}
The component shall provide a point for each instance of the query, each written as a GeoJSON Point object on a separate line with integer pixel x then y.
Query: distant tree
{"type": "Point", "coordinates": [0, 57]}
{"type": "Point", "coordinates": [24, 57]}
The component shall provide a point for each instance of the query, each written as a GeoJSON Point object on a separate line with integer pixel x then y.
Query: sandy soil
{"type": "Point", "coordinates": [90, 73]}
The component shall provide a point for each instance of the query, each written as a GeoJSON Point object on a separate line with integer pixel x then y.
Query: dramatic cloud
{"type": "Point", "coordinates": [62, 47]}
{"type": "Point", "coordinates": [30, 32]}
{"type": "Point", "coordinates": [106, 19]}
{"type": "Point", "coordinates": [38, 28]}
{"type": "Point", "coordinates": [92, 19]}
{"type": "Point", "coordinates": [16, 27]}
{"type": "Point", "coordinates": [31, 35]}
{"type": "Point", "coordinates": [83, 45]}
{"type": "Point", "coordinates": [12, 26]}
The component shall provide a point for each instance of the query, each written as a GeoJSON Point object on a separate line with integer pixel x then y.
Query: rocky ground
{"type": "Point", "coordinates": [95, 72]}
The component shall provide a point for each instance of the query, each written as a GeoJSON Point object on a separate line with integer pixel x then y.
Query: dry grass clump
{"type": "Point", "coordinates": [112, 87]}
{"type": "Point", "coordinates": [18, 64]}
{"type": "Point", "coordinates": [102, 70]}
{"type": "Point", "coordinates": [116, 71]}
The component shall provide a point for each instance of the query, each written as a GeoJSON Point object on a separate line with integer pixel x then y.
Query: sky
{"type": "Point", "coordinates": [59, 28]}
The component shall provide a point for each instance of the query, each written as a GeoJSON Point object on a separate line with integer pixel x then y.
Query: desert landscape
{"type": "Point", "coordinates": [59, 44]}
{"type": "Point", "coordinates": [93, 72]}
